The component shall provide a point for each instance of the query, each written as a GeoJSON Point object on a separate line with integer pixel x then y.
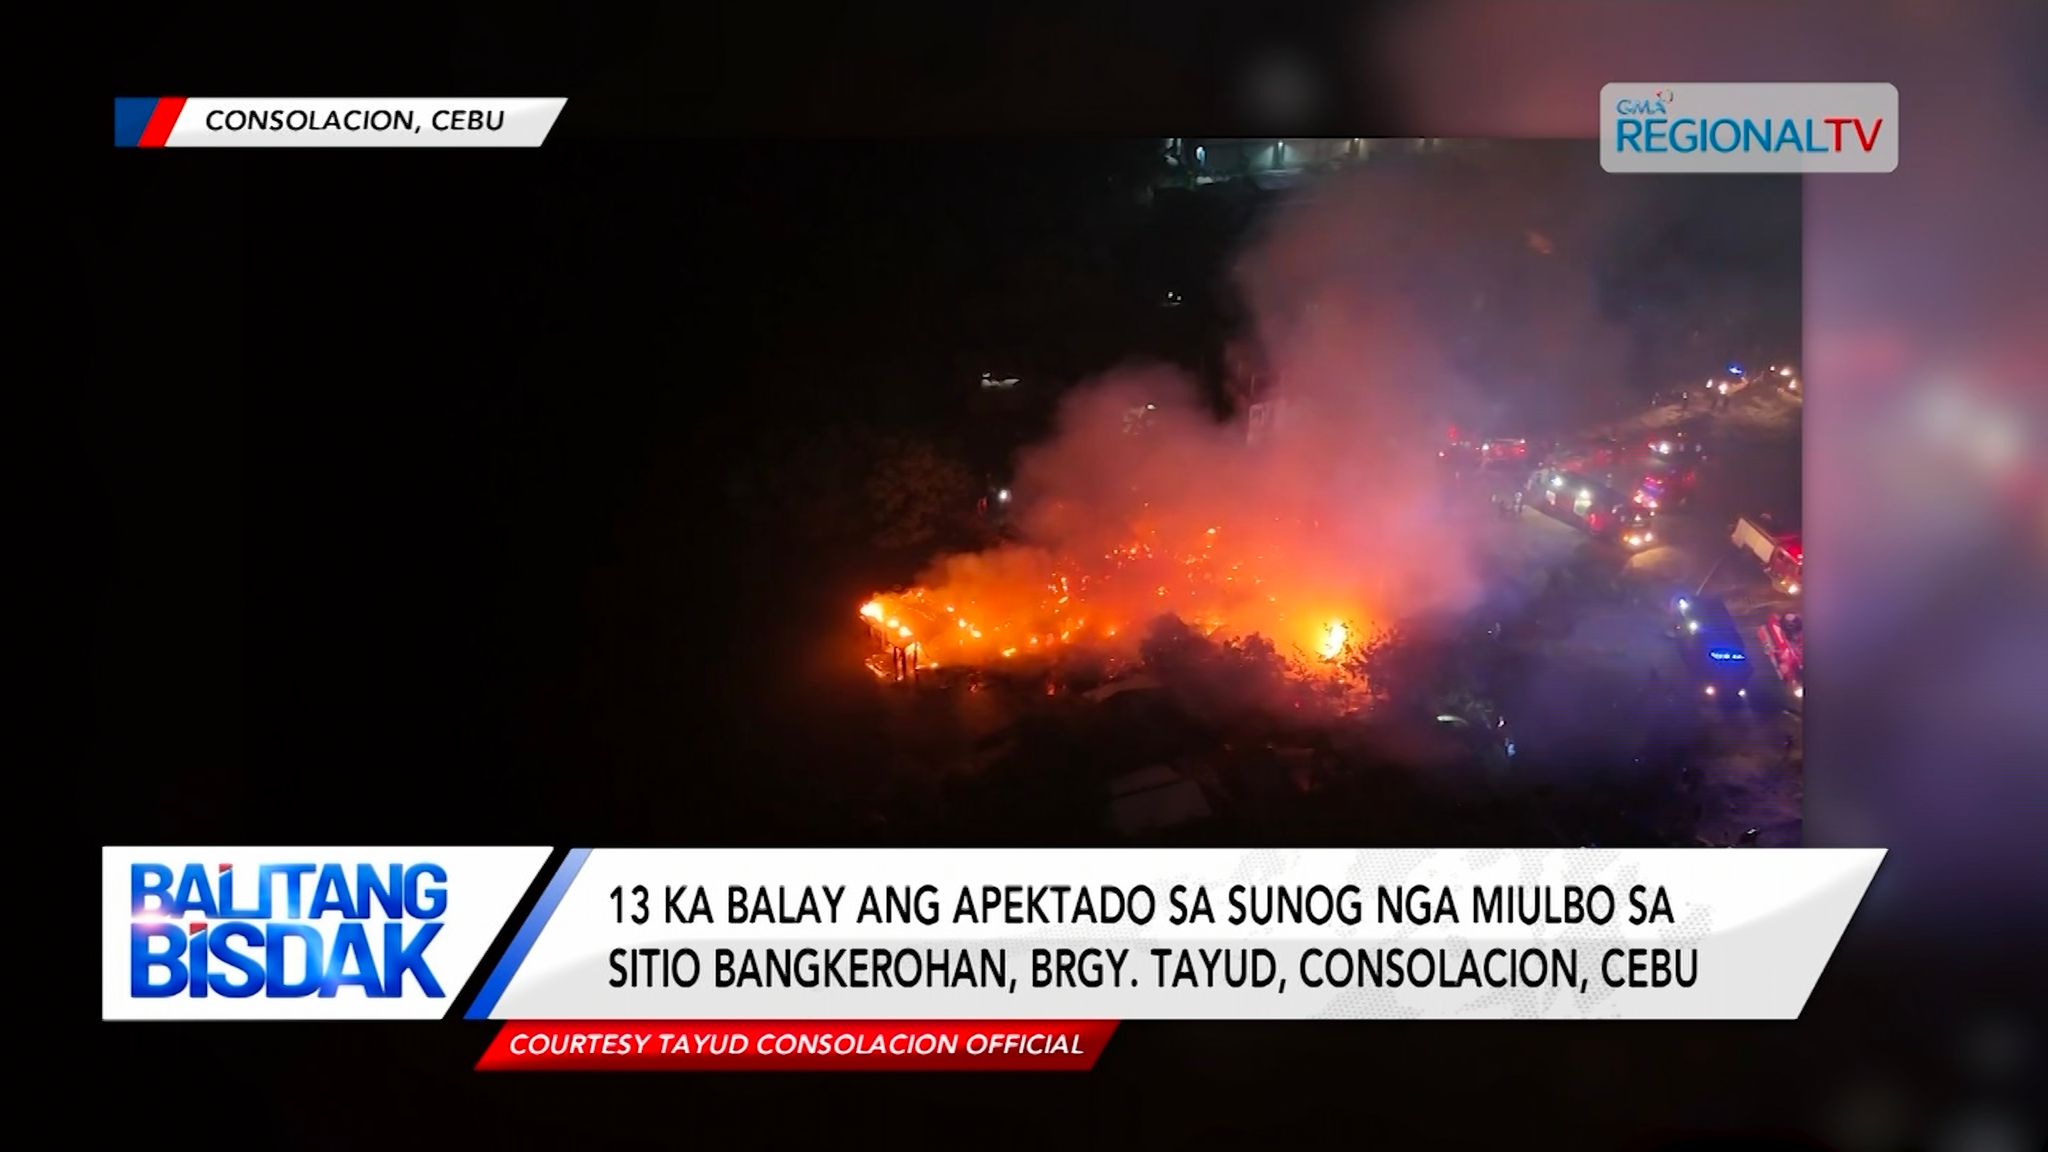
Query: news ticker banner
{"type": "Point", "coordinates": [347, 122]}
{"type": "Point", "coordinates": [818, 958]}
{"type": "Point", "coordinates": [1810, 128]}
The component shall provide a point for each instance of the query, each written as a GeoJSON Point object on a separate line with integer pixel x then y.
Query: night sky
{"type": "Point", "coordinates": [463, 467]}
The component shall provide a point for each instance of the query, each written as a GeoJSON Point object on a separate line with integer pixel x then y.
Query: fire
{"type": "Point", "coordinates": [1333, 640]}
{"type": "Point", "coordinates": [1329, 517]}
{"type": "Point", "coordinates": [1228, 585]}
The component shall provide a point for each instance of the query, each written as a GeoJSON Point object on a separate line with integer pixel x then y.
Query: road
{"type": "Point", "coordinates": [1617, 650]}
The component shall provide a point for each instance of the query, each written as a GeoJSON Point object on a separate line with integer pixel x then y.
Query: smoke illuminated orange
{"type": "Point", "coordinates": [1314, 513]}
{"type": "Point", "coordinates": [1287, 539]}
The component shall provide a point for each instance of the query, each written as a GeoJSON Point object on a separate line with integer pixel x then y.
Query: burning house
{"type": "Point", "coordinates": [900, 630]}
{"type": "Point", "coordinates": [1310, 518]}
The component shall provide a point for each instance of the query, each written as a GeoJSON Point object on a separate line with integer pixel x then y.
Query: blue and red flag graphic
{"type": "Point", "coordinates": [145, 121]}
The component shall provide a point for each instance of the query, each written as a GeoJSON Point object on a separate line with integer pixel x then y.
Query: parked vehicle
{"type": "Point", "coordinates": [1781, 553]}
{"type": "Point", "coordinates": [1783, 637]}
{"type": "Point", "coordinates": [1590, 505]}
{"type": "Point", "coordinates": [1712, 647]}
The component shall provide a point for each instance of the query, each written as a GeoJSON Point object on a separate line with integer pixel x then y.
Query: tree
{"type": "Point", "coordinates": [797, 482]}
{"type": "Point", "coordinates": [1416, 673]}
{"type": "Point", "coordinates": [1228, 682]}
{"type": "Point", "coordinates": [916, 493]}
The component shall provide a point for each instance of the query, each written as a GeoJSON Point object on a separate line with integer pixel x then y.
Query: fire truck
{"type": "Point", "coordinates": [1485, 452]}
{"type": "Point", "coordinates": [1598, 454]}
{"type": "Point", "coordinates": [1505, 452]}
{"type": "Point", "coordinates": [1652, 482]}
{"type": "Point", "coordinates": [1590, 504]}
{"type": "Point", "coordinates": [1665, 483]}
{"type": "Point", "coordinates": [1680, 445]}
{"type": "Point", "coordinates": [1783, 637]}
{"type": "Point", "coordinates": [1781, 553]}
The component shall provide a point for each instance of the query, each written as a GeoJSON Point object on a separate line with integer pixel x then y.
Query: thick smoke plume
{"type": "Point", "coordinates": [1314, 513]}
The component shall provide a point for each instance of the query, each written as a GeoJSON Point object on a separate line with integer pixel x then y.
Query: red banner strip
{"type": "Point", "coordinates": [798, 1046]}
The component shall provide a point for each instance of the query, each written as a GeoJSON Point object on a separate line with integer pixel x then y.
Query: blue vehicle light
{"type": "Point", "coordinates": [1725, 654]}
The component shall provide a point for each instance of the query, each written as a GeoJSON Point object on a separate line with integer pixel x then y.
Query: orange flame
{"type": "Point", "coordinates": [1020, 601]}
{"type": "Point", "coordinates": [1333, 640]}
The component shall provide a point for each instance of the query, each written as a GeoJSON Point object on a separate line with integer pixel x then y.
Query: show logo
{"type": "Point", "coordinates": [383, 932]}
{"type": "Point", "coordinates": [289, 929]}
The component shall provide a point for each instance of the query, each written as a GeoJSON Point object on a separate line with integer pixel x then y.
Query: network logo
{"type": "Point", "coordinates": [1658, 103]}
{"type": "Point", "coordinates": [1749, 128]}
